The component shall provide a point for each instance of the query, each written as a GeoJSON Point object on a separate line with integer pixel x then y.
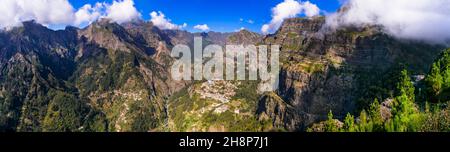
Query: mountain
{"type": "Point", "coordinates": [123, 75]}
{"type": "Point", "coordinates": [34, 61]}
{"type": "Point", "coordinates": [103, 78]}
{"type": "Point", "coordinates": [218, 105]}
{"type": "Point", "coordinates": [244, 37]}
{"type": "Point", "coordinates": [339, 71]}
{"type": "Point", "coordinates": [116, 77]}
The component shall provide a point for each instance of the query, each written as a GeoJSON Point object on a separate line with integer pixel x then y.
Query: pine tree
{"type": "Point", "coordinates": [446, 79]}
{"type": "Point", "coordinates": [405, 114]}
{"type": "Point", "coordinates": [349, 124]}
{"type": "Point", "coordinates": [405, 85]}
{"type": "Point", "coordinates": [330, 125]}
{"type": "Point", "coordinates": [365, 124]}
{"type": "Point", "coordinates": [434, 80]}
{"type": "Point", "coordinates": [375, 116]}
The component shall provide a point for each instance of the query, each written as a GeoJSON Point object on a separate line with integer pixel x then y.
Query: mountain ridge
{"type": "Point", "coordinates": [115, 77]}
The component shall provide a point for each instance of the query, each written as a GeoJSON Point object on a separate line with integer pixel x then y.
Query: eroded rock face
{"type": "Point", "coordinates": [326, 71]}
{"type": "Point", "coordinates": [313, 96]}
{"type": "Point", "coordinates": [272, 107]}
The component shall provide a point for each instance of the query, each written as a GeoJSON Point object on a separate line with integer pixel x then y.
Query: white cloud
{"type": "Point", "coordinates": [119, 11]}
{"type": "Point", "coordinates": [88, 14]}
{"type": "Point", "coordinates": [14, 12]}
{"type": "Point", "coordinates": [250, 21]}
{"type": "Point", "coordinates": [310, 9]}
{"type": "Point", "coordinates": [289, 9]}
{"type": "Point", "coordinates": [410, 19]}
{"type": "Point", "coordinates": [61, 12]}
{"type": "Point", "coordinates": [203, 27]}
{"type": "Point", "coordinates": [122, 11]}
{"type": "Point", "coordinates": [160, 21]}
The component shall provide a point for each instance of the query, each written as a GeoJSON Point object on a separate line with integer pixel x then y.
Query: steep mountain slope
{"type": "Point", "coordinates": [112, 79]}
{"type": "Point", "coordinates": [117, 74]}
{"type": "Point", "coordinates": [335, 70]}
{"type": "Point", "coordinates": [34, 61]}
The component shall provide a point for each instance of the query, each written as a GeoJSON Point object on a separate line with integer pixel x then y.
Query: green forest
{"type": "Point", "coordinates": [414, 108]}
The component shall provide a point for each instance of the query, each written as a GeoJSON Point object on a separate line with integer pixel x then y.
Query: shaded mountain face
{"type": "Point", "coordinates": [33, 61]}
{"type": "Point", "coordinates": [124, 75]}
{"type": "Point", "coordinates": [111, 77]}
{"type": "Point", "coordinates": [175, 37]}
{"type": "Point", "coordinates": [245, 37]}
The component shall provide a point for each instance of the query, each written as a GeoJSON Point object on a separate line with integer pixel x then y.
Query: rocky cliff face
{"type": "Point", "coordinates": [335, 70]}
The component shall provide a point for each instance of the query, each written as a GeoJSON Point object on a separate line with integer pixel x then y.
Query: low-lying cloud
{"type": "Point", "coordinates": [61, 12]}
{"type": "Point", "coordinates": [424, 20]}
{"type": "Point", "coordinates": [289, 9]}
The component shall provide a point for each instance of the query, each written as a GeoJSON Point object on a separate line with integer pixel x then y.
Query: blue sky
{"type": "Point", "coordinates": [219, 15]}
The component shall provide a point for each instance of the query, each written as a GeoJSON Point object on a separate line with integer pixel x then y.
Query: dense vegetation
{"type": "Point", "coordinates": [410, 109]}
{"type": "Point", "coordinates": [65, 113]}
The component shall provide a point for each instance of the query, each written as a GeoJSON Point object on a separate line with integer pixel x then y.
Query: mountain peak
{"type": "Point", "coordinates": [244, 37]}
{"type": "Point", "coordinates": [107, 34]}
{"type": "Point", "coordinates": [137, 24]}
{"type": "Point", "coordinates": [313, 24]}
